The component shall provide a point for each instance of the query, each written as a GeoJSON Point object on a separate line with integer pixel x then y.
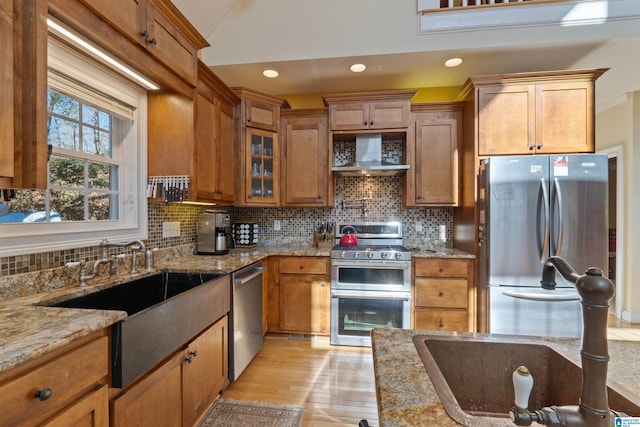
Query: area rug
{"type": "Point", "coordinates": [231, 413]}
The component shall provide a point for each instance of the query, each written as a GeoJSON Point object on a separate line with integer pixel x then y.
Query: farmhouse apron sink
{"type": "Point", "coordinates": [165, 311]}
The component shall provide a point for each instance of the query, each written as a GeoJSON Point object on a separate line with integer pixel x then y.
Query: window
{"type": "Point", "coordinates": [97, 163]}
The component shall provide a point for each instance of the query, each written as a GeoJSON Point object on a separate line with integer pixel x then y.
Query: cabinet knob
{"type": "Point", "coordinates": [441, 324]}
{"type": "Point", "coordinates": [153, 42]}
{"type": "Point", "coordinates": [144, 34]}
{"type": "Point", "coordinates": [248, 119]}
{"type": "Point", "coordinates": [532, 146]}
{"type": "Point", "coordinates": [539, 147]}
{"type": "Point", "coordinates": [301, 266]}
{"type": "Point", "coordinates": [441, 269]}
{"type": "Point", "coordinates": [43, 394]}
{"type": "Point", "coordinates": [193, 353]}
{"type": "Point", "coordinates": [188, 359]}
{"type": "Point", "coordinates": [441, 293]}
{"type": "Point", "coordinates": [323, 284]}
{"type": "Point", "coordinates": [366, 123]}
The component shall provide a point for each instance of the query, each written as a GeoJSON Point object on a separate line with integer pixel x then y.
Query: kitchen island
{"type": "Point", "coordinates": [406, 396]}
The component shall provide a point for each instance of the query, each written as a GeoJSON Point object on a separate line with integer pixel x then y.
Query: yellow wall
{"type": "Point", "coordinates": [431, 94]}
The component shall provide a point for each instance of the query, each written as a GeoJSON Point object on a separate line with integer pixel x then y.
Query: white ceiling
{"type": "Point", "coordinates": [313, 42]}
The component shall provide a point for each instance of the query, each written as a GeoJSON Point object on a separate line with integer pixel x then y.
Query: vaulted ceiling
{"type": "Point", "coordinates": [312, 43]}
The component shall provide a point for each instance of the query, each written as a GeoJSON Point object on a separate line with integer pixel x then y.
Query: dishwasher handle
{"type": "Point", "coordinates": [255, 272]}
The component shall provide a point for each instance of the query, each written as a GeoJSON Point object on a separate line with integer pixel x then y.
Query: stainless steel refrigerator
{"type": "Point", "coordinates": [535, 207]}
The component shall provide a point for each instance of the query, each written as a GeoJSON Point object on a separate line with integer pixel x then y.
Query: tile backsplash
{"type": "Point", "coordinates": [356, 199]}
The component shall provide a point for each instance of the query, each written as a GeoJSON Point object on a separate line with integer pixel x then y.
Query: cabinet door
{"type": "Point", "coordinates": [91, 410]}
{"type": "Point", "coordinates": [167, 44]}
{"type": "Point", "coordinates": [154, 401]}
{"type": "Point", "coordinates": [305, 158]}
{"type": "Point", "coordinates": [225, 156]}
{"type": "Point", "coordinates": [442, 320]}
{"type": "Point", "coordinates": [389, 115]}
{"type": "Point", "coordinates": [129, 16]}
{"type": "Point", "coordinates": [349, 116]}
{"type": "Point", "coordinates": [304, 303]}
{"type": "Point", "coordinates": [6, 93]}
{"type": "Point", "coordinates": [262, 167]}
{"type": "Point", "coordinates": [564, 117]}
{"type": "Point", "coordinates": [436, 162]}
{"type": "Point", "coordinates": [205, 370]}
{"type": "Point", "coordinates": [506, 119]}
{"type": "Point", "coordinates": [261, 115]}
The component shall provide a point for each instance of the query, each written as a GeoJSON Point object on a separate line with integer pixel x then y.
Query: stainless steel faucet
{"type": "Point", "coordinates": [83, 277]}
{"type": "Point", "coordinates": [595, 291]}
{"type": "Point", "coordinates": [135, 245]}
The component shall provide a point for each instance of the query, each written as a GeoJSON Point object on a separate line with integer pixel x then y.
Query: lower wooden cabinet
{"type": "Point", "coordinates": [60, 388]}
{"type": "Point", "coordinates": [305, 298]}
{"type": "Point", "coordinates": [444, 294]}
{"type": "Point", "coordinates": [182, 388]}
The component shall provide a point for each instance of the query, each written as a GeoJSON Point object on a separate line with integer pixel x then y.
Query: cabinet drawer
{"type": "Point", "coordinates": [441, 268]}
{"type": "Point", "coordinates": [66, 377]}
{"type": "Point", "coordinates": [304, 265]}
{"type": "Point", "coordinates": [448, 293]}
{"type": "Point", "coordinates": [442, 320]}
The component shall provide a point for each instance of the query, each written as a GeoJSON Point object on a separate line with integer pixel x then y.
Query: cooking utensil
{"type": "Point", "coordinates": [349, 239]}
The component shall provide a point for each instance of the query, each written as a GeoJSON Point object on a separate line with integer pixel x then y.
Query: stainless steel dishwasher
{"type": "Point", "coordinates": [246, 318]}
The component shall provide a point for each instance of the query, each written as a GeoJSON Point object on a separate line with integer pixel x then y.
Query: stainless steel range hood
{"type": "Point", "coordinates": [369, 159]}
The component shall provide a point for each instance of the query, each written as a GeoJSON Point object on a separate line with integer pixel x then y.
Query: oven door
{"type": "Point", "coordinates": [355, 313]}
{"type": "Point", "coordinates": [371, 275]}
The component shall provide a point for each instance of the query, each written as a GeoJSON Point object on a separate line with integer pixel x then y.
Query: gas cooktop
{"type": "Point", "coordinates": [371, 252]}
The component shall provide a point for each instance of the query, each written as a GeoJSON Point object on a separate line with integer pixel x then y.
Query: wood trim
{"type": "Point", "coordinates": [339, 98]}
{"type": "Point", "coordinates": [214, 86]}
{"type": "Point", "coordinates": [244, 92]}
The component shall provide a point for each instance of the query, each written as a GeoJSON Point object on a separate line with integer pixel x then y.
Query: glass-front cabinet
{"type": "Point", "coordinates": [262, 167]}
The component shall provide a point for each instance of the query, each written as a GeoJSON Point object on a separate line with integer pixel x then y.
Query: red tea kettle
{"type": "Point", "coordinates": [349, 239]}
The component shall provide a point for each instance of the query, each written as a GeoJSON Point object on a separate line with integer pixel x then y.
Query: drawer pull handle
{"type": "Point", "coordinates": [441, 324]}
{"type": "Point", "coordinates": [43, 395]}
{"type": "Point", "coordinates": [441, 293]}
{"type": "Point", "coordinates": [441, 269]}
{"type": "Point", "coordinates": [301, 266]}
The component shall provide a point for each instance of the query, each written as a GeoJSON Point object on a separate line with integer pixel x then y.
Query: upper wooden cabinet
{"type": "Point", "coordinates": [258, 153]}
{"type": "Point", "coordinates": [433, 153]}
{"type": "Point", "coordinates": [160, 28]}
{"type": "Point", "coordinates": [305, 156]}
{"type": "Point", "coordinates": [23, 110]}
{"type": "Point", "coordinates": [369, 110]}
{"type": "Point", "coordinates": [215, 139]}
{"type": "Point", "coordinates": [543, 112]}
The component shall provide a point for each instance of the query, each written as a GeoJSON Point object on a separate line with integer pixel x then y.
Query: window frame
{"type": "Point", "coordinates": [20, 239]}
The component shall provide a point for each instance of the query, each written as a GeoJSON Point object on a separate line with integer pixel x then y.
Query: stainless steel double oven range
{"type": "Point", "coordinates": [370, 282]}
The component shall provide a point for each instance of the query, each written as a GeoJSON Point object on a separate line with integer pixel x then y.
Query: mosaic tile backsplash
{"type": "Point", "coordinates": [356, 199]}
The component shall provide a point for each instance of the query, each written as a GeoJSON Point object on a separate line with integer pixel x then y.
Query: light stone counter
{"type": "Point", "coordinates": [406, 396]}
{"type": "Point", "coordinates": [29, 329]}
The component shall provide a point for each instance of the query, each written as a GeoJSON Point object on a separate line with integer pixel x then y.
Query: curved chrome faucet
{"type": "Point", "coordinates": [595, 291]}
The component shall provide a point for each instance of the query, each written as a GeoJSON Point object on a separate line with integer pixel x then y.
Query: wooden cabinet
{"type": "Point", "coordinates": [160, 28]}
{"type": "Point", "coordinates": [369, 110]}
{"type": "Point", "coordinates": [444, 294]}
{"type": "Point", "coordinates": [60, 388]}
{"type": "Point", "coordinates": [215, 178]}
{"type": "Point", "coordinates": [545, 112]}
{"type": "Point", "coordinates": [259, 150]}
{"type": "Point", "coordinates": [305, 297]}
{"type": "Point", "coordinates": [433, 154]}
{"type": "Point", "coordinates": [305, 156]}
{"type": "Point", "coordinates": [23, 129]}
{"type": "Point", "coordinates": [181, 388]}
{"type": "Point", "coordinates": [205, 371]}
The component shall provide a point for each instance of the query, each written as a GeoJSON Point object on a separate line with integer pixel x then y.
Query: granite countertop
{"type": "Point", "coordinates": [407, 397]}
{"type": "Point", "coordinates": [31, 329]}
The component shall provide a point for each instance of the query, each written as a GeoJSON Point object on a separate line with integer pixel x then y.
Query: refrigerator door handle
{"type": "Point", "coordinates": [559, 204]}
{"type": "Point", "coordinates": [545, 199]}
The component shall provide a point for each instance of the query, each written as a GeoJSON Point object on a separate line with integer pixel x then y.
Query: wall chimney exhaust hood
{"type": "Point", "coordinates": [369, 159]}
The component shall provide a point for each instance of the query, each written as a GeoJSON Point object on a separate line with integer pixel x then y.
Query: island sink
{"type": "Point", "coordinates": [473, 377]}
{"type": "Point", "coordinates": [165, 311]}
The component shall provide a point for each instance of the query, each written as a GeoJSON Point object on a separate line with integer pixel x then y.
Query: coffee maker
{"type": "Point", "coordinates": [214, 233]}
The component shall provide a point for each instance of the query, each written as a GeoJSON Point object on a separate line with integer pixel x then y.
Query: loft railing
{"type": "Point", "coordinates": [436, 5]}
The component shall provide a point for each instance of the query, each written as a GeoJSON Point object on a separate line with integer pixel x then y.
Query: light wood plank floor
{"type": "Point", "coordinates": [335, 384]}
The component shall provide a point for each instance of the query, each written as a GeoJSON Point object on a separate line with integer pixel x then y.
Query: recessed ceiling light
{"type": "Point", "coordinates": [358, 68]}
{"type": "Point", "coordinates": [270, 73]}
{"type": "Point", "coordinates": [453, 62]}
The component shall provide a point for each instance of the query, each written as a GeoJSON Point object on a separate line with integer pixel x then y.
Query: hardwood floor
{"type": "Point", "coordinates": [335, 384]}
